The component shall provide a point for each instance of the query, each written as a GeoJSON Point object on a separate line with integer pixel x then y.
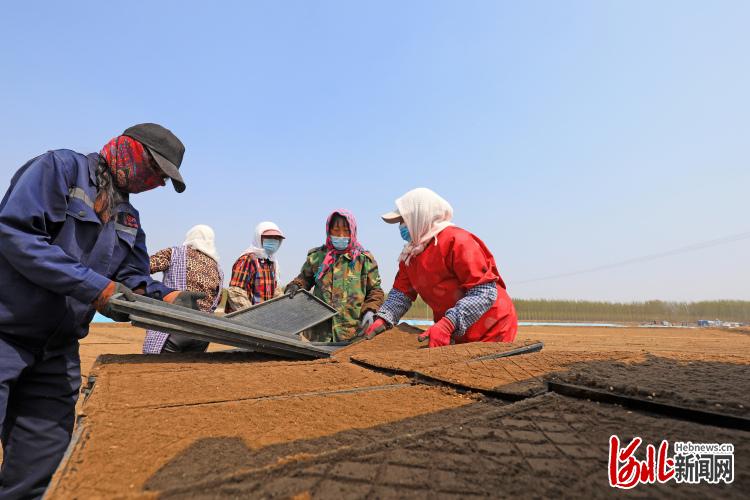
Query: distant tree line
{"type": "Point", "coordinates": [584, 310]}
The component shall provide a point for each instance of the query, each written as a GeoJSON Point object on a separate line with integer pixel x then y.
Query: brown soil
{"type": "Point", "coordinates": [399, 338]}
{"type": "Point", "coordinates": [516, 376]}
{"type": "Point", "coordinates": [129, 445]}
{"type": "Point", "coordinates": [175, 381]}
{"type": "Point", "coordinates": [237, 424]}
{"type": "Point", "coordinates": [549, 446]}
{"type": "Point", "coordinates": [699, 341]}
{"type": "Point", "coordinates": [413, 359]}
{"type": "Point", "coordinates": [708, 385]}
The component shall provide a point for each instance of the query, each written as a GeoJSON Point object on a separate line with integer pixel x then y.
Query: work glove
{"type": "Point", "coordinates": [378, 326]}
{"type": "Point", "coordinates": [103, 306]}
{"type": "Point", "coordinates": [367, 319]}
{"type": "Point", "coordinates": [291, 289]}
{"type": "Point", "coordinates": [185, 299]}
{"type": "Point", "coordinates": [439, 333]}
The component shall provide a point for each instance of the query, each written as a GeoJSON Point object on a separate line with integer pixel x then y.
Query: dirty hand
{"type": "Point", "coordinates": [377, 327]}
{"type": "Point", "coordinates": [103, 306]}
{"type": "Point", "coordinates": [439, 333]}
{"type": "Point", "coordinates": [185, 299]}
{"type": "Point", "coordinates": [291, 289]}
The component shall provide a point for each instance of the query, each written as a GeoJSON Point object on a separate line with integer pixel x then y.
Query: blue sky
{"type": "Point", "coordinates": [567, 135]}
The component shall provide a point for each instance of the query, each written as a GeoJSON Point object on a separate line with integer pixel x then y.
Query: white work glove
{"type": "Point", "coordinates": [367, 319]}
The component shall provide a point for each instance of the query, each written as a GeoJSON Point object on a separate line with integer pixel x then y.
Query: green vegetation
{"type": "Point", "coordinates": [581, 310]}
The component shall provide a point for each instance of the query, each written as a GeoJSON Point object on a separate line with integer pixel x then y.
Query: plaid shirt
{"type": "Point", "coordinates": [185, 269]}
{"type": "Point", "coordinates": [465, 313]}
{"type": "Point", "coordinates": [256, 276]}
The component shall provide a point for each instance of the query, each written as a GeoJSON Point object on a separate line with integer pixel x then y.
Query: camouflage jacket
{"type": "Point", "coordinates": [352, 288]}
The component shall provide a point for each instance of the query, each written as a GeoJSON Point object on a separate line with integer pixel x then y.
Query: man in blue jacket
{"type": "Point", "coordinates": [69, 240]}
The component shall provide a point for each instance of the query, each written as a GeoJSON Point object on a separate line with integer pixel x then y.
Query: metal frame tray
{"type": "Point", "coordinates": [158, 315]}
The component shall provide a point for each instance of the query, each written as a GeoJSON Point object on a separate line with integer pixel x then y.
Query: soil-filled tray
{"type": "Point", "coordinates": [420, 357]}
{"type": "Point", "coordinates": [719, 386]}
{"type": "Point", "coordinates": [545, 447]}
{"type": "Point", "coordinates": [141, 417]}
{"type": "Point", "coordinates": [176, 381]}
{"type": "Point", "coordinates": [516, 376]}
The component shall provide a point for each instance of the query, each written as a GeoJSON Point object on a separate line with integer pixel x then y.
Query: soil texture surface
{"type": "Point", "coordinates": [413, 359]}
{"type": "Point", "coordinates": [546, 447]}
{"type": "Point", "coordinates": [387, 418]}
{"type": "Point", "coordinates": [720, 386]}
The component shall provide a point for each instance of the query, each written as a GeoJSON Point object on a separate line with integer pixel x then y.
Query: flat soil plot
{"type": "Point", "coordinates": [699, 341]}
{"type": "Point", "coordinates": [720, 386]}
{"type": "Point", "coordinates": [411, 360]}
{"type": "Point", "coordinates": [165, 381]}
{"type": "Point", "coordinates": [545, 447]}
{"type": "Point", "coordinates": [127, 443]}
{"type": "Point", "coordinates": [517, 376]}
{"type": "Point", "coordinates": [223, 425]}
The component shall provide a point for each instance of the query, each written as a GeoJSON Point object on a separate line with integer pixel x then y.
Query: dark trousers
{"type": "Point", "coordinates": [38, 396]}
{"type": "Point", "coordinates": [180, 343]}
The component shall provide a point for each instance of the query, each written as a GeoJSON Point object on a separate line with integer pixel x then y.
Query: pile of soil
{"type": "Point", "coordinates": [399, 338]}
{"type": "Point", "coordinates": [549, 446]}
{"type": "Point", "coordinates": [720, 386]}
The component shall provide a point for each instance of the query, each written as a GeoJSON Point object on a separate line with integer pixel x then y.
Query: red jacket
{"type": "Point", "coordinates": [442, 274]}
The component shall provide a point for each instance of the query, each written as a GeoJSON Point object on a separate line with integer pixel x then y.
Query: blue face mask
{"type": "Point", "coordinates": [404, 232]}
{"type": "Point", "coordinates": [339, 242]}
{"type": "Point", "coordinates": [271, 245]}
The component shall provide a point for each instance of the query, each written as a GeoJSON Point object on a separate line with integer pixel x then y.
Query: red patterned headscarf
{"type": "Point", "coordinates": [131, 165]}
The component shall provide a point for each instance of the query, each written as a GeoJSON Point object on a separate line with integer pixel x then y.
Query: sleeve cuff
{"type": "Point", "coordinates": [92, 285]}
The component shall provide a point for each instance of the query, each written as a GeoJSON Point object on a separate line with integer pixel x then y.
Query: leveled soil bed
{"type": "Point", "coordinates": [720, 386]}
{"type": "Point", "coordinates": [545, 447]}
{"type": "Point", "coordinates": [698, 341]}
{"type": "Point", "coordinates": [240, 425]}
{"type": "Point", "coordinates": [163, 381]}
{"type": "Point", "coordinates": [411, 360]}
{"type": "Point", "coordinates": [517, 376]}
{"type": "Point", "coordinates": [127, 443]}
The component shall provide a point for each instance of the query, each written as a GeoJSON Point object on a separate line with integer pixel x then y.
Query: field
{"type": "Point", "coordinates": [628, 312]}
{"type": "Point", "coordinates": [386, 419]}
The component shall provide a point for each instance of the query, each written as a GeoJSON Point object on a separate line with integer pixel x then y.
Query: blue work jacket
{"type": "Point", "coordinates": [56, 256]}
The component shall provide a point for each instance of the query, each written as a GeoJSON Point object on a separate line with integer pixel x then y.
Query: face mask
{"type": "Point", "coordinates": [271, 245]}
{"type": "Point", "coordinates": [404, 232]}
{"type": "Point", "coordinates": [131, 166]}
{"type": "Point", "coordinates": [340, 242]}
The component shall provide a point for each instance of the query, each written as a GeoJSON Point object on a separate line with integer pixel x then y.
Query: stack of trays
{"type": "Point", "coordinates": [272, 327]}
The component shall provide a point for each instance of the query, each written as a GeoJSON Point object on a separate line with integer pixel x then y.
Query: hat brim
{"type": "Point", "coordinates": [170, 169]}
{"type": "Point", "coordinates": [392, 217]}
{"type": "Point", "coordinates": [273, 232]}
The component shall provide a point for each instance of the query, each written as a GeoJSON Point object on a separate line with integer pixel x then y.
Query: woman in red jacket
{"type": "Point", "coordinates": [452, 270]}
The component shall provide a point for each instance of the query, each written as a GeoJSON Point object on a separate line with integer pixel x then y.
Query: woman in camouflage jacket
{"type": "Point", "coordinates": [344, 275]}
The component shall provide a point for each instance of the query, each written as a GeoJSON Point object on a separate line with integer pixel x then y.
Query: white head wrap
{"type": "Point", "coordinates": [425, 214]}
{"type": "Point", "coordinates": [201, 238]}
{"type": "Point", "coordinates": [257, 247]}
